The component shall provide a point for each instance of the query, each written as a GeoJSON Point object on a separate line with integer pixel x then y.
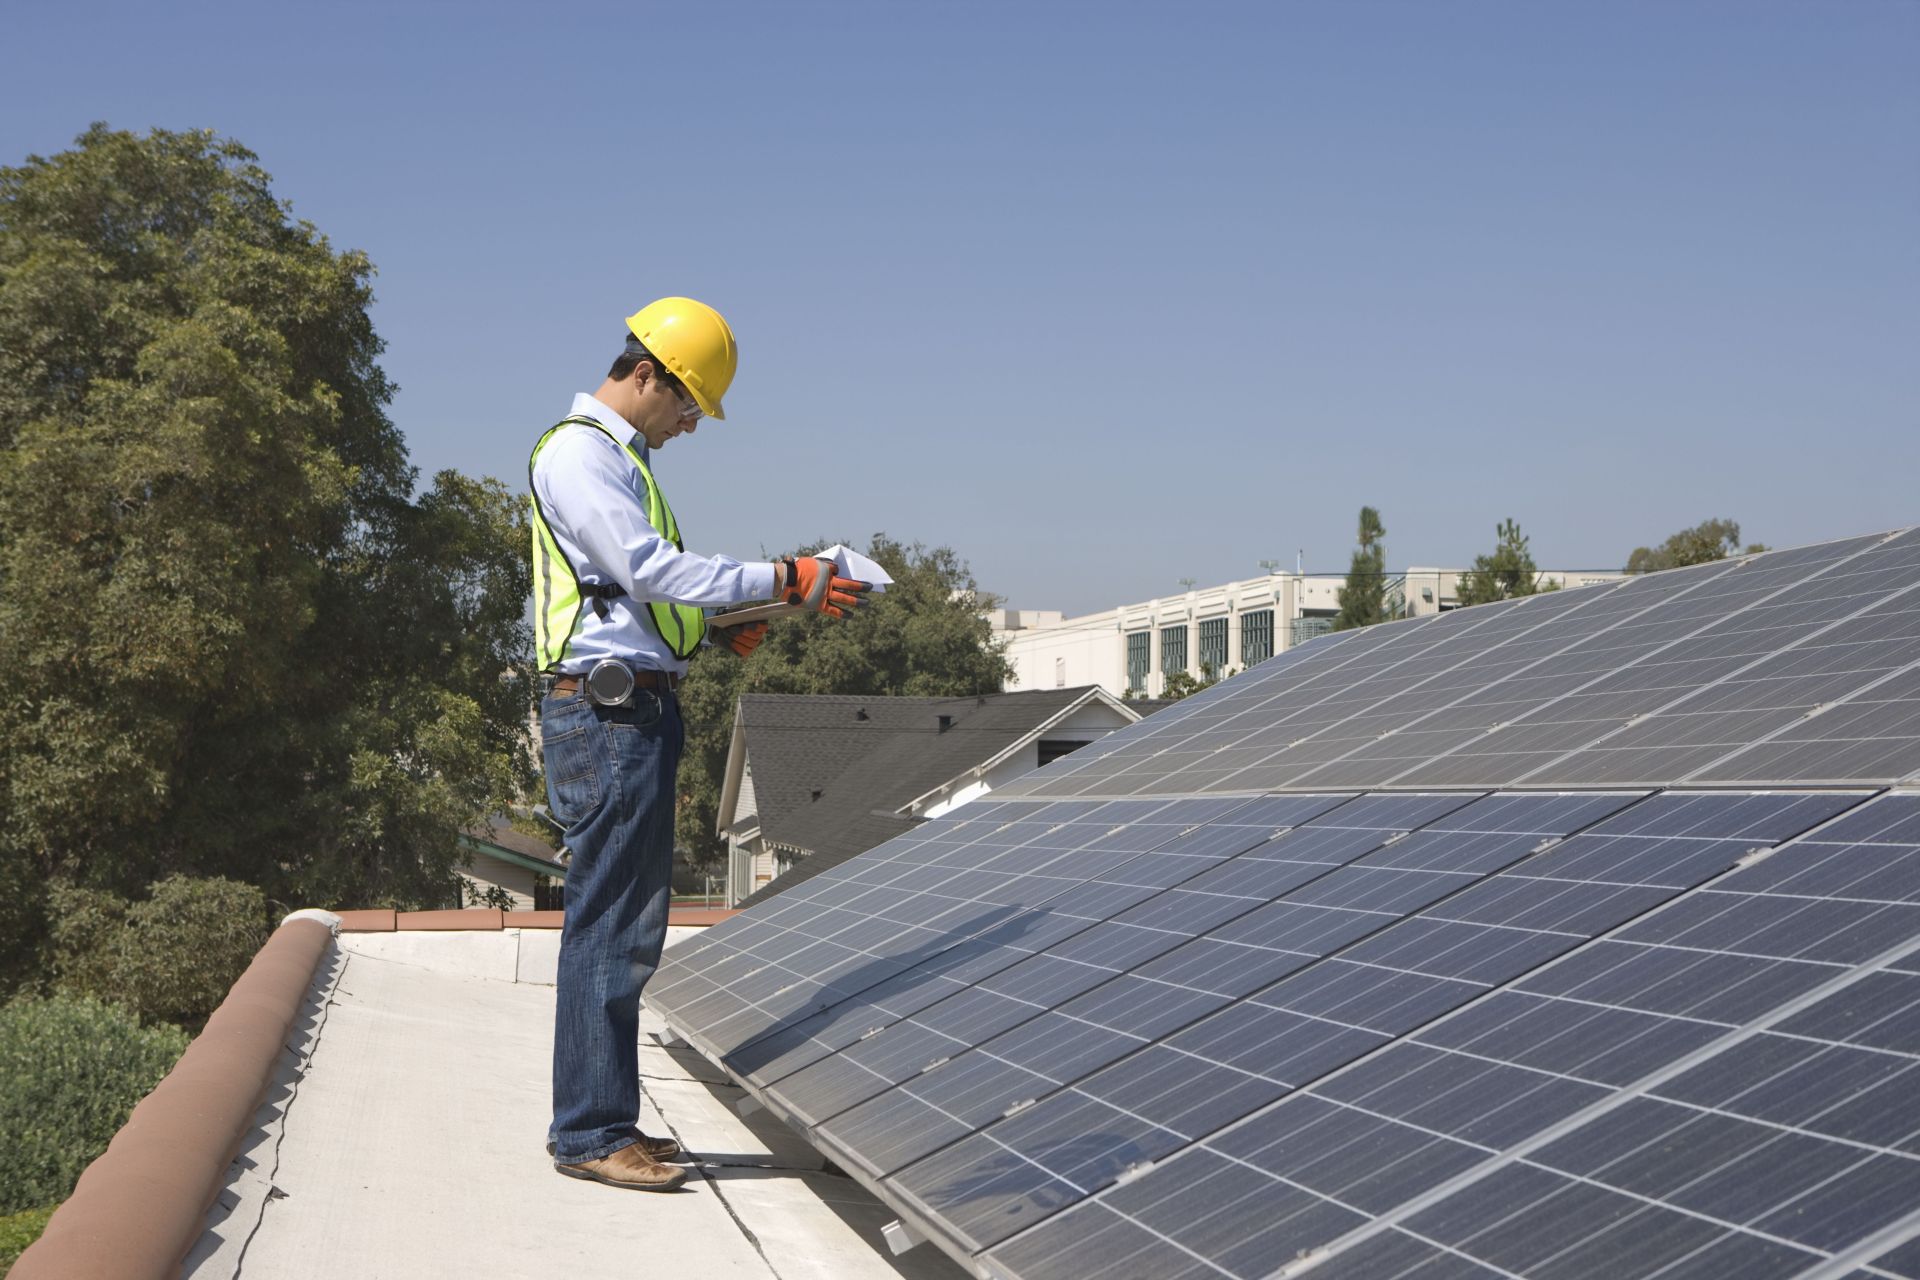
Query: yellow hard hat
{"type": "Point", "coordinates": [694, 342]}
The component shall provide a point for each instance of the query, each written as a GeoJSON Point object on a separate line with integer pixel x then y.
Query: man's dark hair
{"type": "Point", "coordinates": [627, 361]}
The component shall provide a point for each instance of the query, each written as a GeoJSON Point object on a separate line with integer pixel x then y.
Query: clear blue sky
{"type": "Point", "coordinates": [1107, 295]}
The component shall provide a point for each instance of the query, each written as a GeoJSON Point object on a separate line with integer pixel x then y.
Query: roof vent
{"type": "Point", "coordinates": [946, 723]}
{"type": "Point", "coordinates": [861, 714]}
{"type": "Point", "coordinates": [816, 793]}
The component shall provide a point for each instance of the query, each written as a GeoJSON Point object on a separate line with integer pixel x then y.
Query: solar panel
{"type": "Point", "coordinates": [1506, 693]}
{"type": "Point", "coordinates": [1068, 918]}
{"type": "Point", "coordinates": [1723, 1088]}
{"type": "Point", "coordinates": [1055, 1154]}
{"type": "Point", "coordinates": [1570, 936]}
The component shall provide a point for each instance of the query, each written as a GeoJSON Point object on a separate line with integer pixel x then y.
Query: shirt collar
{"type": "Point", "coordinates": [588, 406]}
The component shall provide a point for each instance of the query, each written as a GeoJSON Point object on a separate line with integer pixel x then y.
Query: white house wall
{"type": "Point", "coordinates": [516, 880]}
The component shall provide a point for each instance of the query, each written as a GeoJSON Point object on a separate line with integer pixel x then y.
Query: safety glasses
{"type": "Point", "coordinates": [689, 410]}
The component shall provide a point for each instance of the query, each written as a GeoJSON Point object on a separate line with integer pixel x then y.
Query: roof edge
{"type": "Point", "coordinates": [512, 857]}
{"type": "Point", "coordinates": [493, 920]}
{"type": "Point", "coordinates": [139, 1208]}
{"type": "Point", "coordinates": [1094, 693]}
{"type": "Point", "coordinates": [731, 775]}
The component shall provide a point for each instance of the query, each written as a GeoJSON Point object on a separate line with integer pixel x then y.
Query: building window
{"type": "Point", "coordinates": [1256, 637]}
{"type": "Point", "coordinates": [1059, 673]}
{"type": "Point", "coordinates": [1313, 623]}
{"type": "Point", "coordinates": [1213, 648]}
{"type": "Point", "coordinates": [1173, 649]}
{"type": "Point", "coordinates": [1139, 661]}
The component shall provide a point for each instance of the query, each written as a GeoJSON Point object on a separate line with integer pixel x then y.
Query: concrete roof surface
{"type": "Point", "coordinates": [405, 1137]}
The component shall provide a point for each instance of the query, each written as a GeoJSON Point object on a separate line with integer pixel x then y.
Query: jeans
{"type": "Point", "coordinates": [610, 781]}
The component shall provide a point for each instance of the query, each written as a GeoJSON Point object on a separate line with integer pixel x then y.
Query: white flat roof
{"type": "Point", "coordinates": [407, 1138]}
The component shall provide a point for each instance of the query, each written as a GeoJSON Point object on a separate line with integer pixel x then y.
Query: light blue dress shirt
{"type": "Point", "coordinates": [596, 504]}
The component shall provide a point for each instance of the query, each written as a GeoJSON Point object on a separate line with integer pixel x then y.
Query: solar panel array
{"type": "Point", "coordinates": [1570, 936]}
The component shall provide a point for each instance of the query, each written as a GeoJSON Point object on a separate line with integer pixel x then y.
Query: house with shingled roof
{"type": "Point", "coordinates": [813, 780]}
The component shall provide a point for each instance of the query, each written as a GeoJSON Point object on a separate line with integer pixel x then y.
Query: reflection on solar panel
{"type": "Point", "coordinates": [1572, 936]}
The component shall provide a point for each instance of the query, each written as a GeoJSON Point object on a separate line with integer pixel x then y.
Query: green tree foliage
{"type": "Point", "coordinates": [1363, 599]}
{"type": "Point", "coordinates": [18, 1230]}
{"type": "Point", "coordinates": [1508, 572]}
{"type": "Point", "coordinates": [238, 645]}
{"type": "Point", "coordinates": [1182, 684]}
{"type": "Point", "coordinates": [71, 1069]}
{"type": "Point", "coordinates": [1708, 540]}
{"type": "Point", "coordinates": [170, 957]}
{"type": "Point", "coordinates": [924, 636]}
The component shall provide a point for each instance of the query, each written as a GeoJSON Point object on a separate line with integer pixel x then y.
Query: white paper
{"type": "Point", "coordinates": [852, 564]}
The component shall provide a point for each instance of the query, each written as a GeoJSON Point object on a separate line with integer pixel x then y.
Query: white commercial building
{"type": "Point", "coordinates": [1218, 630]}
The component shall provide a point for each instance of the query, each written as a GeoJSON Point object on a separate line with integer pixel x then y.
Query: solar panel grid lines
{"type": "Point", "coordinates": [1070, 953]}
{"type": "Point", "coordinates": [1442, 694]}
{"type": "Point", "coordinates": [984, 820]}
{"type": "Point", "coordinates": [1868, 731]}
{"type": "Point", "coordinates": [1168, 719]}
{"type": "Point", "coordinates": [1247, 708]}
{"type": "Point", "coordinates": [1258, 707]}
{"type": "Point", "coordinates": [1161, 1094]}
{"type": "Point", "coordinates": [1267, 710]}
{"type": "Point", "coordinates": [1382, 707]}
{"type": "Point", "coordinates": [738, 1002]}
{"type": "Point", "coordinates": [864, 915]}
{"type": "Point", "coordinates": [1754, 1151]}
{"type": "Point", "coordinates": [1382, 1155]}
{"type": "Point", "coordinates": [974, 818]}
{"type": "Point", "coordinates": [1505, 750]}
{"type": "Point", "coordinates": [1192, 716]}
{"type": "Point", "coordinates": [1166, 932]}
{"type": "Point", "coordinates": [1892, 1252]}
{"type": "Point", "coordinates": [1781, 660]}
{"type": "Point", "coordinates": [1277, 712]}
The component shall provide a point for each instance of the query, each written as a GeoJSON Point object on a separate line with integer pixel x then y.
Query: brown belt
{"type": "Point", "coordinates": [658, 681]}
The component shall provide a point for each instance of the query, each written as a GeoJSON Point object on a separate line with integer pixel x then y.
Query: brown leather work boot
{"type": "Point", "coordinates": [629, 1167]}
{"type": "Point", "coordinates": [658, 1148]}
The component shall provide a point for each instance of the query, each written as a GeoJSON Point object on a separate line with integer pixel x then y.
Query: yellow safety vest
{"type": "Point", "coordinates": [558, 591]}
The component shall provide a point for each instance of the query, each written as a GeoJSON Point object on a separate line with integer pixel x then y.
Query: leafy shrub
{"type": "Point", "coordinates": [71, 1069]}
{"type": "Point", "coordinates": [17, 1231]}
{"type": "Point", "coordinates": [170, 958]}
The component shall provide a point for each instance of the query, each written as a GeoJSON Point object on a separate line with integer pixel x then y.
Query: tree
{"type": "Point", "coordinates": [237, 645]}
{"type": "Point", "coordinates": [1181, 684]}
{"type": "Point", "coordinates": [1507, 573]}
{"type": "Point", "coordinates": [1706, 541]}
{"type": "Point", "coordinates": [1363, 600]}
{"type": "Point", "coordinates": [924, 636]}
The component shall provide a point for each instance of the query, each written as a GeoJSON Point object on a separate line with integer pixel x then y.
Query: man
{"type": "Point", "coordinates": [618, 612]}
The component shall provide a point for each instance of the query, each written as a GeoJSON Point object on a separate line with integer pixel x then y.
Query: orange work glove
{"type": "Point", "coordinates": [743, 639]}
{"type": "Point", "coordinates": [812, 584]}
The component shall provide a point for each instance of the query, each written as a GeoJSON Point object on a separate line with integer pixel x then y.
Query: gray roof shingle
{"type": "Point", "coordinates": [864, 770]}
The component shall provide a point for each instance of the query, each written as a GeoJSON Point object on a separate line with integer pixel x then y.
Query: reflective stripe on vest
{"type": "Point", "coordinates": [557, 593]}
